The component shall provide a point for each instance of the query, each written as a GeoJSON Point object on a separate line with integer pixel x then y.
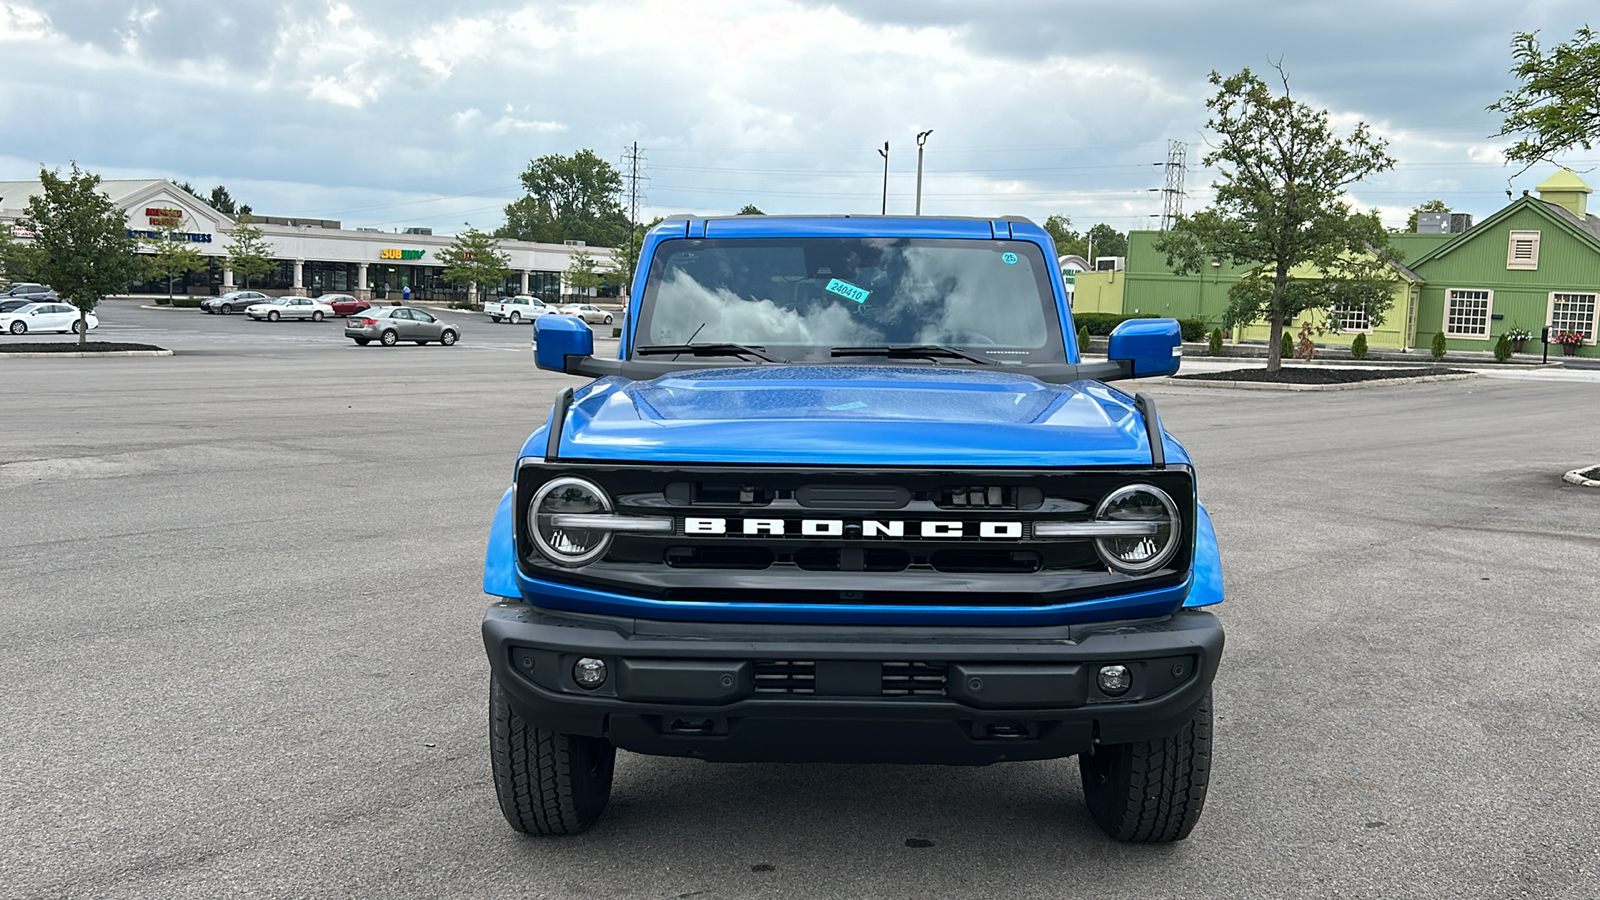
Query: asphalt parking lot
{"type": "Point", "coordinates": [241, 655]}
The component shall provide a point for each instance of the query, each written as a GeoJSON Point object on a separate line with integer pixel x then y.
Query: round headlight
{"type": "Point", "coordinates": [568, 546]}
{"type": "Point", "coordinates": [1139, 504]}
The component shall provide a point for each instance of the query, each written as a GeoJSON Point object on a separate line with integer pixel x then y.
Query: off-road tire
{"type": "Point", "coordinates": [547, 782]}
{"type": "Point", "coordinates": [389, 338]}
{"type": "Point", "coordinates": [448, 338]}
{"type": "Point", "coordinates": [1151, 792]}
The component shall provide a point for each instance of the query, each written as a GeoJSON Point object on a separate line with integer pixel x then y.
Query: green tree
{"type": "Point", "coordinates": [1438, 347]}
{"type": "Point", "coordinates": [1107, 241]}
{"type": "Point", "coordinates": [1280, 207]}
{"type": "Point", "coordinates": [1067, 241]}
{"type": "Point", "coordinates": [1428, 206]}
{"type": "Point", "coordinates": [1557, 105]}
{"type": "Point", "coordinates": [171, 254]}
{"type": "Point", "coordinates": [81, 245]}
{"type": "Point", "coordinates": [249, 254]}
{"type": "Point", "coordinates": [473, 260]}
{"type": "Point", "coordinates": [583, 273]}
{"type": "Point", "coordinates": [570, 198]}
{"type": "Point", "coordinates": [750, 209]}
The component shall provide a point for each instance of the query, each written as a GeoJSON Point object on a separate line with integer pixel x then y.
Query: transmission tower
{"type": "Point", "coordinates": [633, 171]}
{"type": "Point", "coordinates": [1172, 194]}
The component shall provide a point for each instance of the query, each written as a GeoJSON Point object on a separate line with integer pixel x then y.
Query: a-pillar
{"type": "Point", "coordinates": [362, 290]}
{"type": "Point", "coordinates": [524, 288]}
{"type": "Point", "coordinates": [299, 269]}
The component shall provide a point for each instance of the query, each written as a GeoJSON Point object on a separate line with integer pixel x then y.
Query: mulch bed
{"type": "Point", "coordinates": [1319, 374]}
{"type": "Point", "coordinates": [71, 347]}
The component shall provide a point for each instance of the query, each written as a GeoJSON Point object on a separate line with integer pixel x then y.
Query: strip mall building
{"type": "Point", "coordinates": [314, 256]}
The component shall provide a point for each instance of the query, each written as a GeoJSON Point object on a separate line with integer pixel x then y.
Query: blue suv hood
{"type": "Point", "coordinates": [875, 415]}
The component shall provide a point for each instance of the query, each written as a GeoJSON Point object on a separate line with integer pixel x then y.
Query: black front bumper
{"type": "Point", "coordinates": [804, 693]}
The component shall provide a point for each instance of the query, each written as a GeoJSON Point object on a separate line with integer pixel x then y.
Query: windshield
{"type": "Point", "coordinates": [801, 298]}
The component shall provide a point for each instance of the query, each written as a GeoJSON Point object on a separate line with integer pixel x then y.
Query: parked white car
{"type": "Point", "coordinates": [289, 308]}
{"type": "Point", "coordinates": [588, 312]}
{"type": "Point", "coordinates": [45, 317]}
{"type": "Point", "coordinates": [516, 310]}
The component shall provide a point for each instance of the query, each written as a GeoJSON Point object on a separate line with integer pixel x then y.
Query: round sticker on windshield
{"type": "Point", "coordinates": [1010, 258]}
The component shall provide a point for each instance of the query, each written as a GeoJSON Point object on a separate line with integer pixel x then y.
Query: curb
{"type": "Point", "coordinates": [68, 355]}
{"type": "Point", "coordinates": [1352, 385]}
{"type": "Point", "coordinates": [1580, 477]}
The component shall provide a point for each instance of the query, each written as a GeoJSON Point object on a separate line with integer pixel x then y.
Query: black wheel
{"type": "Point", "coordinates": [389, 338]}
{"type": "Point", "coordinates": [448, 338]}
{"type": "Point", "coordinates": [316, 315]}
{"type": "Point", "coordinates": [362, 342]}
{"type": "Point", "coordinates": [227, 309]}
{"type": "Point", "coordinates": [19, 327]}
{"type": "Point", "coordinates": [495, 319]}
{"type": "Point", "coordinates": [607, 321]}
{"type": "Point", "coordinates": [548, 783]}
{"type": "Point", "coordinates": [1151, 792]}
{"type": "Point", "coordinates": [272, 316]}
{"type": "Point", "coordinates": [420, 343]}
{"type": "Point", "coordinates": [516, 317]}
{"type": "Point", "coordinates": [77, 326]}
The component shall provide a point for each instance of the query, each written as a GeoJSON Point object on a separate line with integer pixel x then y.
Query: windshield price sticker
{"type": "Point", "coordinates": [848, 291]}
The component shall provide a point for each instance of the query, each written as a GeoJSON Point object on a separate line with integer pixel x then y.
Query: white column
{"type": "Point", "coordinates": [361, 282]}
{"type": "Point", "coordinates": [524, 288]}
{"type": "Point", "coordinates": [227, 277]}
{"type": "Point", "coordinates": [299, 268]}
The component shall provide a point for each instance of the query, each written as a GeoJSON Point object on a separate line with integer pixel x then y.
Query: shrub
{"type": "Point", "coordinates": [1286, 347]}
{"type": "Point", "coordinates": [1502, 349]}
{"type": "Point", "coordinates": [1358, 347]}
{"type": "Point", "coordinates": [186, 302]}
{"type": "Point", "coordinates": [1194, 330]}
{"type": "Point", "coordinates": [1083, 338]}
{"type": "Point", "coordinates": [1214, 346]}
{"type": "Point", "coordinates": [1438, 345]}
{"type": "Point", "coordinates": [1102, 324]}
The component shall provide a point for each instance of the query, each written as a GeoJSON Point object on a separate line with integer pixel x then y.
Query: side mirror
{"type": "Point", "coordinates": [557, 337]}
{"type": "Point", "coordinates": [1151, 347]}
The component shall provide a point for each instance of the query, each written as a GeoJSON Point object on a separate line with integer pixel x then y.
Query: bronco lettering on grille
{"type": "Point", "coordinates": [837, 528]}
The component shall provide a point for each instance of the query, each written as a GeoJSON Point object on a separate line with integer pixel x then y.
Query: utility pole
{"type": "Point", "coordinates": [884, 211]}
{"type": "Point", "coordinates": [921, 139]}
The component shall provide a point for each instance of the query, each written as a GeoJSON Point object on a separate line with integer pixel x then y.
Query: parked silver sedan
{"type": "Point", "coordinates": [389, 325]}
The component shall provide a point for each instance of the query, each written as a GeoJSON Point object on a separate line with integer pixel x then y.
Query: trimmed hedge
{"type": "Point", "coordinates": [186, 302]}
{"type": "Point", "coordinates": [1102, 324]}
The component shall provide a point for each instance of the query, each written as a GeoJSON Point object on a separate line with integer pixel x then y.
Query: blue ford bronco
{"type": "Point", "coordinates": [848, 492]}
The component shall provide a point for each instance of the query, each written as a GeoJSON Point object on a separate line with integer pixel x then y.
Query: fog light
{"type": "Point", "coordinates": [589, 672]}
{"type": "Point", "coordinates": [1114, 680]}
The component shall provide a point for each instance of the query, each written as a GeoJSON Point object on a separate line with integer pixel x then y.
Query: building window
{"type": "Point", "coordinates": [1573, 312]}
{"type": "Point", "coordinates": [1523, 252]}
{"type": "Point", "coordinates": [1466, 313]}
{"type": "Point", "coordinates": [1349, 319]}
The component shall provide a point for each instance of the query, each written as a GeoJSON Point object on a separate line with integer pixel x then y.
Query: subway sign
{"type": "Point", "coordinates": [396, 253]}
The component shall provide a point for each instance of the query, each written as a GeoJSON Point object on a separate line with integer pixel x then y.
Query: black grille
{"type": "Point", "coordinates": [914, 679]}
{"type": "Point", "coordinates": [855, 565]}
{"type": "Point", "coordinates": [785, 676]}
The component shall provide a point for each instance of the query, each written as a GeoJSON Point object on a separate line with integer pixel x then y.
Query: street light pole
{"type": "Point", "coordinates": [921, 140]}
{"type": "Point", "coordinates": [884, 210]}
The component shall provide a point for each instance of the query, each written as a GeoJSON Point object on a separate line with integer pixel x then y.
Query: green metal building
{"type": "Point", "coordinates": [1534, 263]}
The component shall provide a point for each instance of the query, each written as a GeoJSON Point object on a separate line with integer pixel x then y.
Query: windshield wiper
{"type": "Point", "coordinates": [914, 351]}
{"type": "Point", "coordinates": [704, 350]}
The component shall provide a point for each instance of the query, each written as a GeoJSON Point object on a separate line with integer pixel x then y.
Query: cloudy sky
{"type": "Point", "coordinates": [389, 113]}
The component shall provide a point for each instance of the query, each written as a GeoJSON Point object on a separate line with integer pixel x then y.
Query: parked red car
{"type": "Point", "coordinates": [344, 304]}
